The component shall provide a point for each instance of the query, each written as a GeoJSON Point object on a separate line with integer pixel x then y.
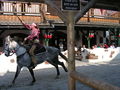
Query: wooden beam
{"type": "Point", "coordinates": [52, 5]}
{"type": "Point", "coordinates": [57, 10]}
{"type": "Point", "coordinates": [70, 47]}
{"type": "Point", "coordinates": [84, 10]}
{"type": "Point", "coordinates": [107, 6]}
{"type": "Point", "coordinates": [96, 84]}
{"type": "Point", "coordinates": [2, 31]}
{"type": "Point", "coordinates": [103, 6]}
{"type": "Point", "coordinates": [34, 1]}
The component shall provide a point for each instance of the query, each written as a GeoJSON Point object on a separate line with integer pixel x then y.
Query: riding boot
{"type": "Point", "coordinates": [32, 65]}
{"type": "Point", "coordinates": [33, 62]}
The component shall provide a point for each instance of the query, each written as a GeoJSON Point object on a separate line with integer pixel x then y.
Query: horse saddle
{"type": "Point", "coordinates": [40, 50]}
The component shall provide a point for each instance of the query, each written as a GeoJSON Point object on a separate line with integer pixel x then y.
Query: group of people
{"type": "Point", "coordinates": [98, 46]}
{"type": "Point", "coordinates": [103, 46]}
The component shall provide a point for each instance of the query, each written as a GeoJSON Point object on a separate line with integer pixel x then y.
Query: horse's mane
{"type": "Point", "coordinates": [9, 41]}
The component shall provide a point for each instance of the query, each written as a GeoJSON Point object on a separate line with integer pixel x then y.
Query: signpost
{"type": "Point", "coordinates": [70, 5]}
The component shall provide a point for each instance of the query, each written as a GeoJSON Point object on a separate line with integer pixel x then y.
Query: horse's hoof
{"type": "Point", "coordinates": [57, 77]}
{"type": "Point", "coordinates": [32, 83]}
{"type": "Point", "coordinates": [66, 70]}
{"type": "Point", "coordinates": [32, 67]}
{"type": "Point", "coordinates": [10, 85]}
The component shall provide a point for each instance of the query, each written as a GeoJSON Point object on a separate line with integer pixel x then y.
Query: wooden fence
{"type": "Point", "coordinates": [96, 84]}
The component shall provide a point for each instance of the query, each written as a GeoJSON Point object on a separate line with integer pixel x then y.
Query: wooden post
{"type": "Point", "coordinates": [88, 16]}
{"type": "Point", "coordinates": [70, 47]}
{"type": "Point", "coordinates": [88, 39]}
{"type": "Point", "coordinates": [96, 84]}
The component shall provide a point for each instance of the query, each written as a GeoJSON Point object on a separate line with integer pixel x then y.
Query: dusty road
{"type": "Point", "coordinates": [45, 76]}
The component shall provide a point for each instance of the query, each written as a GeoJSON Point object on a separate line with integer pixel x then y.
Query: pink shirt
{"type": "Point", "coordinates": [34, 31]}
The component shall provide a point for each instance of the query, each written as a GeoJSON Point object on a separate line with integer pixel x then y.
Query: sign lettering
{"type": "Point", "coordinates": [70, 4]}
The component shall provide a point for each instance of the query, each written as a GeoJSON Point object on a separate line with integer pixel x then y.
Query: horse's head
{"type": "Point", "coordinates": [10, 46]}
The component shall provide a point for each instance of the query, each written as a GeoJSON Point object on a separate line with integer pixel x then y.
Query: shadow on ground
{"type": "Point", "coordinates": [45, 78]}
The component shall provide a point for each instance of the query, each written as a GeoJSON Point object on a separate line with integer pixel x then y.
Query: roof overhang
{"type": "Point", "coordinates": [102, 4]}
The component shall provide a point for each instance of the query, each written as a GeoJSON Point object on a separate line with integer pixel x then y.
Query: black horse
{"type": "Point", "coordinates": [24, 59]}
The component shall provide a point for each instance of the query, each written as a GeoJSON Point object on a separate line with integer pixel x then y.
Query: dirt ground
{"type": "Point", "coordinates": [45, 76]}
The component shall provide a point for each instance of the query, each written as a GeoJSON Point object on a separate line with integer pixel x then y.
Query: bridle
{"type": "Point", "coordinates": [13, 51]}
{"type": "Point", "coordinates": [10, 52]}
{"type": "Point", "coordinates": [11, 48]}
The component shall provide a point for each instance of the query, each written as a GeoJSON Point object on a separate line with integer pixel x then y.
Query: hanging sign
{"type": "Point", "coordinates": [70, 4]}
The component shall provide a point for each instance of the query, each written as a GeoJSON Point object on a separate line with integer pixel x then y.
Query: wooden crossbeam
{"type": "Point", "coordinates": [96, 84]}
{"type": "Point", "coordinates": [57, 10]}
{"type": "Point", "coordinates": [2, 31]}
{"type": "Point", "coordinates": [35, 1]}
{"type": "Point", "coordinates": [104, 4]}
{"type": "Point", "coordinates": [84, 10]}
{"type": "Point", "coordinates": [52, 5]}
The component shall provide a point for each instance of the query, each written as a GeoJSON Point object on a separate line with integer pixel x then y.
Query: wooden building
{"type": "Point", "coordinates": [96, 21]}
{"type": "Point", "coordinates": [78, 29]}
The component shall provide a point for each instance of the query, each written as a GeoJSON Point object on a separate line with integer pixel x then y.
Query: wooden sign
{"type": "Point", "coordinates": [70, 5]}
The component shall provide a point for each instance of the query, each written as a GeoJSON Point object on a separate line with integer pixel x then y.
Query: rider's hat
{"type": "Point", "coordinates": [33, 24]}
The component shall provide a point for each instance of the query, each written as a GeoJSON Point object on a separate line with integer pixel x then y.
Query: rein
{"type": "Point", "coordinates": [21, 54]}
{"type": "Point", "coordinates": [10, 52]}
{"type": "Point", "coordinates": [14, 50]}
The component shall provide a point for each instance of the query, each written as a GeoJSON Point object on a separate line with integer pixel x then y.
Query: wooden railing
{"type": "Point", "coordinates": [13, 20]}
{"type": "Point", "coordinates": [100, 20]}
{"type": "Point", "coordinates": [96, 84]}
{"type": "Point", "coordinates": [31, 13]}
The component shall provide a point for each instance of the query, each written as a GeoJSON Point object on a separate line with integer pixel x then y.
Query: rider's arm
{"type": "Point", "coordinates": [26, 25]}
{"type": "Point", "coordinates": [20, 20]}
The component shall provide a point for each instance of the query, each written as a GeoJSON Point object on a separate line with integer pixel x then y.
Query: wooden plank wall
{"type": "Point", "coordinates": [12, 19]}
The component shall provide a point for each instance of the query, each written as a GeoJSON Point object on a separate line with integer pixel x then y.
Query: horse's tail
{"type": "Point", "coordinates": [63, 56]}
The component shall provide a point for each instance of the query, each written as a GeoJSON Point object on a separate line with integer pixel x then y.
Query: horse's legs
{"type": "Point", "coordinates": [56, 66]}
{"type": "Point", "coordinates": [62, 64]}
{"type": "Point", "coordinates": [32, 74]}
{"type": "Point", "coordinates": [57, 62]}
{"type": "Point", "coordinates": [16, 74]}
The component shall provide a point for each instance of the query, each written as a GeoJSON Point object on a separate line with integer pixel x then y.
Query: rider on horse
{"type": "Point", "coordinates": [36, 49]}
{"type": "Point", "coordinates": [34, 33]}
{"type": "Point", "coordinates": [34, 30]}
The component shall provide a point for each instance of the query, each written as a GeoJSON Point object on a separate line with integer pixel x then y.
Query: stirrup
{"type": "Point", "coordinates": [32, 66]}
